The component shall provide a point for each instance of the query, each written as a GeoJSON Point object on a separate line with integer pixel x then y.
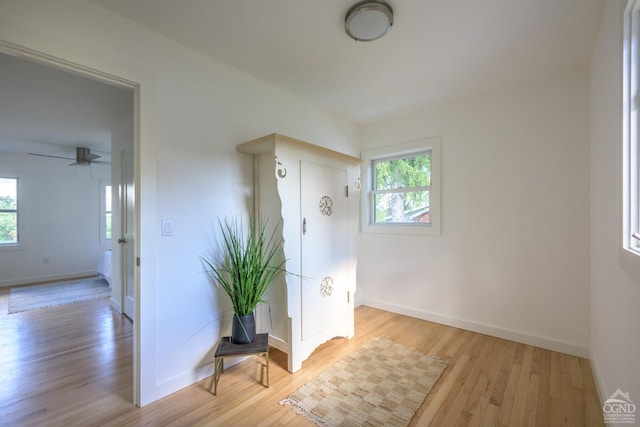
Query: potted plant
{"type": "Point", "coordinates": [248, 261]}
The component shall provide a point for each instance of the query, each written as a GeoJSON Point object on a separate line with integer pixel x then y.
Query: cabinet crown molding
{"type": "Point", "coordinates": [267, 144]}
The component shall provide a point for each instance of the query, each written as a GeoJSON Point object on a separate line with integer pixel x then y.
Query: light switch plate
{"type": "Point", "coordinates": [167, 228]}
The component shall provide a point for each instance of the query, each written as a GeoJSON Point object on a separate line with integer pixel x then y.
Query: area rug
{"type": "Point", "coordinates": [54, 294]}
{"type": "Point", "coordinates": [378, 384]}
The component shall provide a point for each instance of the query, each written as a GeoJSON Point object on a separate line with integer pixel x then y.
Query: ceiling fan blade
{"type": "Point", "coordinates": [80, 163]}
{"type": "Point", "coordinates": [85, 162]}
{"type": "Point", "coordinates": [54, 157]}
{"type": "Point", "coordinates": [83, 157]}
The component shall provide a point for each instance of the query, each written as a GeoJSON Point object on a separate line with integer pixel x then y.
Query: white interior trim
{"type": "Point", "coordinates": [492, 330]}
{"type": "Point", "coordinates": [76, 68]}
{"type": "Point", "coordinates": [435, 228]}
{"type": "Point", "coordinates": [597, 375]}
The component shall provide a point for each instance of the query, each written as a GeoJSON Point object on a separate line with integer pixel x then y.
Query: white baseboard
{"type": "Point", "coordinates": [179, 382]}
{"type": "Point", "coordinates": [494, 331]}
{"type": "Point", "coordinates": [204, 369]}
{"type": "Point", "coordinates": [47, 278]}
{"type": "Point", "coordinates": [278, 343]}
{"type": "Point", "coordinates": [358, 301]}
{"type": "Point", "coordinates": [600, 387]}
{"type": "Point", "coordinates": [115, 305]}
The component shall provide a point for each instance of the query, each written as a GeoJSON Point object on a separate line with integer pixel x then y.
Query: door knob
{"type": "Point", "coordinates": [122, 241]}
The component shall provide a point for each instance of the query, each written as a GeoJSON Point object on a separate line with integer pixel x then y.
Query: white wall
{"type": "Point", "coordinates": [513, 257]}
{"type": "Point", "coordinates": [615, 295]}
{"type": "Point", "coordinates": [59, 220]}
{"type": "Point", "coordinates": [193, 113]}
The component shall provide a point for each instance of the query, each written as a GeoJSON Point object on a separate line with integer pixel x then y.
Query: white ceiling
{"type": "Point", "coordinates": [438, 50]}
{"type": "Point", "coordinates": [47, 111]}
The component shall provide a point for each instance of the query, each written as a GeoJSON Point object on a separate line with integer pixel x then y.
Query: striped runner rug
{"type": "Point", "coordinates": [34, 297]}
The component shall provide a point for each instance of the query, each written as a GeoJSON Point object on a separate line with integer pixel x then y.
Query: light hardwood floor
{"type": "Point", "coordinates": [72, 366]}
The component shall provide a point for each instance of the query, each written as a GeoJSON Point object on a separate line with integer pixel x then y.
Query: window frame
{"type": "Point", "coordinates": [629, 255]}
{"type": "Point", "coordinates": [5, 246]}
{"type": "Point", "coordinates": [367, 224]}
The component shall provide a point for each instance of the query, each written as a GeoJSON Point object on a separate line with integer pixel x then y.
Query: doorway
{"type": "Point", "coordinates": [123, 175]}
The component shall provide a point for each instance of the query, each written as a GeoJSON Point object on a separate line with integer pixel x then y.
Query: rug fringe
{"type": "Point", "coordinates": [22, 310]}
{"type": "Point", "coordinates": [301, 410]}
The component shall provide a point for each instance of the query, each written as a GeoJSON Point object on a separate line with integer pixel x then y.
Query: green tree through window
{"type": "Point", "coordinates": [8, 211]}
{"type": "Point", "coordinates": [401, 188]}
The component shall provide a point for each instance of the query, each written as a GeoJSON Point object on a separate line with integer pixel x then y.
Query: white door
{"type": "Point", "coordinates": [128, 224]}
{"type": "Point", "coordinates": [324, 247]}
{"type": "Point", "coordinates": [123, 220]}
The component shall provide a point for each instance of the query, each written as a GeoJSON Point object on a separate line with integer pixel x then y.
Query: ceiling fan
{"type": "Point", "coordinates": [83, 157]}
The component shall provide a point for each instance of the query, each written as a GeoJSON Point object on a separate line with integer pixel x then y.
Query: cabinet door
{"type": "Point", "coordinates": [324, 254]}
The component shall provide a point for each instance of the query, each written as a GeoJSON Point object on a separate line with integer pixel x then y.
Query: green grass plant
{"type": "Point", "coordinates": [249, 260]}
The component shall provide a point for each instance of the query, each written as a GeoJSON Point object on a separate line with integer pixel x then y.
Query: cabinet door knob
{"type": "Point", "coordinates": [304, 225]}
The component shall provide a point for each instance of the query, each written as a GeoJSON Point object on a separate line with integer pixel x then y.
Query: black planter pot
{"type": "Point", "coordinates": [243, 329]}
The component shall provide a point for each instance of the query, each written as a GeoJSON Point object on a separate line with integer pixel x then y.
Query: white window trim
{"type": "Point", "coordinates": [434, 228]}
{"type": "Point", "coordinates": [629, 255]}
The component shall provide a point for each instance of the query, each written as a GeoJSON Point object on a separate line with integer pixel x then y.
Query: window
{"type": "Point", "coordinates": [402, 189]}
{"type": "Point", "coordinates": [8, 211]}
{"type": "Point", "coordinates": [105, 211]}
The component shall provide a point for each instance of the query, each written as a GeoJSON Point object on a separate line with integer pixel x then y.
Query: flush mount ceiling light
{"type": "Point", "coordinates": [368, 20]}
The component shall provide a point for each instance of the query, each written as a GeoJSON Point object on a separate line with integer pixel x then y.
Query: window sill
{"type": "Point", "coordinates": [429, 230]}
{"type": "Point", "coordinates": [630, 262]}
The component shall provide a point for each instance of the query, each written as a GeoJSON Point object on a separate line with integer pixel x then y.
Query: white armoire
{"type": "Point", "coordinates": [311, 195]}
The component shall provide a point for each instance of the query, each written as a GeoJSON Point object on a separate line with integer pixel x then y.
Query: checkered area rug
{"type": "Point", "coordinates": [378, 384]}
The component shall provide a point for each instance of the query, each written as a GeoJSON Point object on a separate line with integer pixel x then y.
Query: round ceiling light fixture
{"type": "Point", "coordinates": [368, 20]}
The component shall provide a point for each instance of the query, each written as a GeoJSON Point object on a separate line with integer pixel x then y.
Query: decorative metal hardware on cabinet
{"type": "Point", "coordinates": [326, 205]}
{"type": "Point", "coordinates": [326, 287]}
{"type": "Point", "coordinates": [282, 171]}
